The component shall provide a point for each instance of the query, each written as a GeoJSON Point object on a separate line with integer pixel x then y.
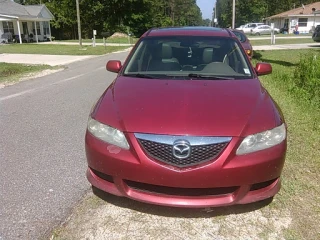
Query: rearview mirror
{"type": "Point", "coordinates": [263, 68]}
{"type": "Point", "coordinates": [114, 66]}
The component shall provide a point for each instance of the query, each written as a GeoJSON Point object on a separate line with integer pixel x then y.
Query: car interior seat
{"type": "Point", "coordinates": [207, 57]}
{"type": "Point", "coordinates": [162, 60]}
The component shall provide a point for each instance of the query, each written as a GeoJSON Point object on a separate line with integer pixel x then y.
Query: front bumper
{"type": "Point", "coordinates": [226, 181]}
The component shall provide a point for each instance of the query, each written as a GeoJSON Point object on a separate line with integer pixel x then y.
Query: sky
{"type": "Point", "coordinates": [206, 7]}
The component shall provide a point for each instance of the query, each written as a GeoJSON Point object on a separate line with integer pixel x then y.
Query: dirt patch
{"type": "Point", "coordinates": [29, 76]}
{"type": "Point", "coordinates": [121, 218]}
{"type": "Point", "coordinates": [118, 34]}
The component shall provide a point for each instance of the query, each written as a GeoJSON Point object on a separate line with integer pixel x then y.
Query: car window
{"type": "Point", "coordinates": [177, 57]}
{"type": "Point", "coordinates": [240, 36]}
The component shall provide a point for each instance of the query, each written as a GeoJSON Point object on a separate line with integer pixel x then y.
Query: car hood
{"type": "Point", "coordinates": [186, 107]}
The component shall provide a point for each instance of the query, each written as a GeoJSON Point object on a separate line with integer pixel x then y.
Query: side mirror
{"type": "Point", "coordinates": [114, 66]}
{"type": "Point", "coordinates": [263, 68]}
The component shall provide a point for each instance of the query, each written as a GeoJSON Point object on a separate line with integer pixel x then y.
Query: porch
{"type": "Point", "coordinates": [24, 31]}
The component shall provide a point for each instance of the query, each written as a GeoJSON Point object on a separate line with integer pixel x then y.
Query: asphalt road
{"type": "Point", "coordinates": [42, 158]}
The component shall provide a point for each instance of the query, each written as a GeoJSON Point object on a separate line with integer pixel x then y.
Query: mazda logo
{"type": "Point", "coordinates": [181, 149]}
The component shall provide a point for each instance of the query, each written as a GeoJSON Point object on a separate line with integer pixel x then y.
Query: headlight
{"type": "Point", "coordinates": [107, 134]}
{"type": "Point", "coordinates": [263, 140]}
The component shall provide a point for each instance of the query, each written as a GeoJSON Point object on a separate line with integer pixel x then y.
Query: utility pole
{"type": "Point", "coordinates": [233, 13]}
{"type": "Point", "coordinates": [215, 13]}
{"type": "Point", "coordinates": [79, 23]}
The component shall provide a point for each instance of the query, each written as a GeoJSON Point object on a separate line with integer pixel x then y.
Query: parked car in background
{"type": "Point", "coordinates": [247, 27]}
{"type": "Point", "coordinates": [245, 42]}
{"type": "Point", "coordinates": [187, 123]}
{"type": "Point", "coordinates": [316, 34]}
{"type": "Point", "coordinates": [264, 30]}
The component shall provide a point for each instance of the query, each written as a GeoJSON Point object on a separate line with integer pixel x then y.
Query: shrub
{"type": "Point", "coordinates": [307, 78]}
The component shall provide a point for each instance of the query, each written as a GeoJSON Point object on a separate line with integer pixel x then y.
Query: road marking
{"type": "Point", "coordinates": [40, 88]}
{"type": "Point", "coordinates": [67, 79]}
{"type": "Point", "coordinates": [16, 94]}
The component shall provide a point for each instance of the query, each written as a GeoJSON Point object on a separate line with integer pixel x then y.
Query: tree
{"type": "Point", "coordinates": [120, 15]}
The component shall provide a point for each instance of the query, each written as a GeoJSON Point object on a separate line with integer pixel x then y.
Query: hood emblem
{"type": "Point", "coordinates": [181, 149]}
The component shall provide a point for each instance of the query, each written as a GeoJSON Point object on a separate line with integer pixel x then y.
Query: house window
{"type": "Point", "coordinates": [38, 28]}
{"type": "Point", "coordinates": [8, 27]}
{"type": "Point", "coordinates": [303, 22]}
{"type": "Point", "coordinates": [46, 28]}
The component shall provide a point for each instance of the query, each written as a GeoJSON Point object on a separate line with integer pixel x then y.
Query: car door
{"type": "Point", "coordinates": [259, 30]}
{"type": "Point", "coordinates": [267, 30]}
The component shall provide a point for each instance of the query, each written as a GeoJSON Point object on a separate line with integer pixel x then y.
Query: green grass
{"type": "Point", "coordinates": [11, 72]}
{"type": "Point", "coordinates": [300, 193]}
{"type": "Point", "coordinates": [280, 35]}
{"type": "Point", "coordinates": [52, 49]}
{"type": "Point", "coordinates": [132, 40]}
{"type": "Point", "coordinates": [281, 41]}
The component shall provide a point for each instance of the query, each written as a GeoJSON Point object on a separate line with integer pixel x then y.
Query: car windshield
{"type": "Point", "coordinates": [189, 57]}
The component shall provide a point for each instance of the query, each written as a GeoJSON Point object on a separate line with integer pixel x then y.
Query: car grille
{"type": "Point", "coordinates": [199, 153]}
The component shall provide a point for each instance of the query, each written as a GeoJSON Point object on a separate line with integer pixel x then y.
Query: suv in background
{"type": "Point", "coordinates": [316, 34]}
{"type": "Point", "coordinates": [247, 28]}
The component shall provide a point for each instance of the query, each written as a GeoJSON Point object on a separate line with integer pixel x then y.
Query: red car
{"type": "Point", "coordinates": [187, 123]}
{"type": "Point", "coordinates": [245, 42]}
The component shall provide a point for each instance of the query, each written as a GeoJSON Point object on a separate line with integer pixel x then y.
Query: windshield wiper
{"type": "Point", "coordinates": [140, 75]}
{"type": "Point", "coordinates": [208, 76]}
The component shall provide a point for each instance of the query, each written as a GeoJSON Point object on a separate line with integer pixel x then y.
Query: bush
{"type": "Point", "coordinates": [306, 80]}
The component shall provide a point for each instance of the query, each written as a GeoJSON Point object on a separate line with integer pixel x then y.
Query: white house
{"type": "Point", "coordinates": [27, 22]}
{"type": "Point", "coordinates": [303, 18]}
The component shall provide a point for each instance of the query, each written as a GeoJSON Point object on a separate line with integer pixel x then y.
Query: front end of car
{"type": "Point", "coordinates": [218, 171]}
{"type": "Point", "coordinates": [176, 129]}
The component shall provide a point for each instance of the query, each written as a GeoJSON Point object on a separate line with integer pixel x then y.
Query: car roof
{"type": "Point", "coordinates": [188, 31]}
{"type": "Point", "coordinates": [255, 23]}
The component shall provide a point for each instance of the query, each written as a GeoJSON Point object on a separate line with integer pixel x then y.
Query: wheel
{"type": "Point", "coordinates": [257, 34]}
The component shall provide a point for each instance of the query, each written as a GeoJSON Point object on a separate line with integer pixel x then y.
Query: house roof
{"type": "Point", "coordinates": [8, 7]}
{"type": "Point", "coordinates": [304, 10]}
{"type": "Point", "coordinates": [12, 9]}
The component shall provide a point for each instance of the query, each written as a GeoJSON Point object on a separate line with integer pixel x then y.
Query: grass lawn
{"type": "Point", "coordinates": [52, 49]}
{"type": "Point", "coordinates": [281, 35]}
{"type": "Point", "coordinates": [281, 41]}
{"type": "Point", "coordinates": [300, 194]}
{"type": "Point", "coordinates": [11, 72]}
{"type": "Point", "coordinates": [108, 40]}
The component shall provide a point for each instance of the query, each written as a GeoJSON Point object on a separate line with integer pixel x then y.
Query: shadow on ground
{"type": "Point", "coordinates": [314, 46]}
{"type": "Point", "coordinates": [178, 212]}
{"type": "Point", "coordinates": [258, 56]}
